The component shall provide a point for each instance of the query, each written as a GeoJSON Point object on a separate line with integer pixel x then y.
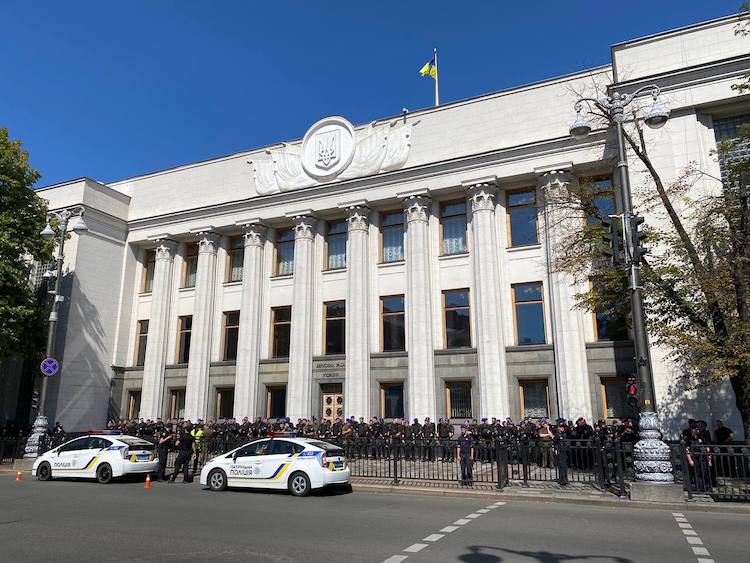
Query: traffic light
{"type": "Point", "coordinates": [637, 236]}
{"type": "Point", "coordinates": [611, 239]}
{"type": "Point", "coordinates": [631, 390]}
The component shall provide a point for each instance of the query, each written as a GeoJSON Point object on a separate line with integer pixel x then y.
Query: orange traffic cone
{"type": "Point", "coordinates": [147, 485]}
{"type": "Point", "coordinates": [19, 476]}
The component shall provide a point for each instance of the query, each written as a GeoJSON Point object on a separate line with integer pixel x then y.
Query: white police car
{"type": "Point", "coordinates": [297, 464]}
{"type": "Point", "coordinates": [97, 456]}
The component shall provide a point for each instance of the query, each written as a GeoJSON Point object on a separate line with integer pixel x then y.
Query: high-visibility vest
{"type": "Point", "coordinates": [198, 436]}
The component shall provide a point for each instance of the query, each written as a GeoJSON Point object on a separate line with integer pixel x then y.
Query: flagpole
{"type": "Point", "coordinates": [437, 77]}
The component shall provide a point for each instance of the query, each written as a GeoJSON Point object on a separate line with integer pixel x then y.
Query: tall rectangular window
{"type": "Point", "coordinates": [190, 266]}
{"type": "Point", "coordinates": [335, 327]}
{"type": "Point", "coordinates": [393, 326]}
{"type": "Point", "coordinates": [528, 307]}
{"type": "Point", "coordinates": [458, 399]}
{"type": "Point", "coordinates": [235, 259]}
{"type": "Point", "coordinates": [285, 253]}
{"type": "Point", "coordinates": [224, 402]}
{"type": "Point", "coordinates": [281, 318]}
{"type": "Point", "coordinates": [231, 335]}
{"type": "Point", "coordinates": [177, 403]}
{"type": "Point", "coordinates": [276, 402]}
{"type": "Point", "coordinates": [534, 398]}
{"type": "Point", "coordinates": [603, 200]}
{"type": "Point", "coordinates": [392, 400]}
{"type": "Point", "coordinates": [457, 318]}
{"type": "Point", "coordinates": [453, 227]}
{"type": "Point", "coordinates": [140, 343]}
{"type": "Point", "coordinates": [522, 229]}
{"type": "Point", "coordinates": [610, 325]}
{"type": "Point", "coordinates": [149, 265]}
{"type": "Point", "coordinates": [336, 245]}
{"type": "Point", "coordinates": [392, 236]}
{"type": "Point", "coordinates": [184, 331]}
{"type": "Point", "coordinates": [134, 404]}
{"type": "Point", "coordinates": [614, 398]}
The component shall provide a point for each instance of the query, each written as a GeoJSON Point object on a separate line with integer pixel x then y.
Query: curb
{"type": "Point", "coordinates": [567, 498]}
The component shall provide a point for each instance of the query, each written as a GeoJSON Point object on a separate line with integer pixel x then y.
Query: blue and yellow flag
{"type": "Point", "coordinates": [430, 69]}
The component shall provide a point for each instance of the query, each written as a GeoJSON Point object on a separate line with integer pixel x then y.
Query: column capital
{"type": "Point", "coordinates": [254, 234]}
{"type": "Point", "coordinates": [482, 196]}
{"type": "Point", "coordinates": [304, 227]}
{"type": "Point", "coordinates": [358, 217]}
{"type": "Point", "coordinates": [417, 207]}
{"type": "Point", "coordinates": [208, 242]}
{"type": "Point", "coordinates": [165, 249]}
{"type": "Point", "coordinates": [557, 175]}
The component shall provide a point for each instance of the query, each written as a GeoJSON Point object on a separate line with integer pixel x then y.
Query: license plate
{"type": "Point", "coordinates": [143, 457]}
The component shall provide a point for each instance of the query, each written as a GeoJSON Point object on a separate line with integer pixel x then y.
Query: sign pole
{"type": "Point", "coordinates": [437, 77]}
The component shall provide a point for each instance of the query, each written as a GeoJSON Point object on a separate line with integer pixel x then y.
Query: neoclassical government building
{"type": "Point", "coordinates": [397, 268]}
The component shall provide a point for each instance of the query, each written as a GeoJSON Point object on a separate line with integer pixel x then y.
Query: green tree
{"type": "Point", "coordinates": [22, 217]}
{"type": "Point", "coordinates": [697, 278]}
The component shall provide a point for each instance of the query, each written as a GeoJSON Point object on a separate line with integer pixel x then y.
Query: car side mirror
{"type": "Point", "coordinates": [234, 457]}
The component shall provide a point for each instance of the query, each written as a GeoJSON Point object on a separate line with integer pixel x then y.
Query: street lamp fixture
{"type": "Point", "coordinates": [80, 226]}
{"type": "Point", "coordinates": [657, 116]}
{"type": "Point", "coordinates": [47, 233]}
{"type": "Point", "coordinates": [580, 128]}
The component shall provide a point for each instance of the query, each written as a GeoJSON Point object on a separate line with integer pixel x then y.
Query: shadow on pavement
{"type": "Point", "coordinates": [481, 554]}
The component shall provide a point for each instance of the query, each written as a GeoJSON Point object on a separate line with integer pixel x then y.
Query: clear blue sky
{"type": "Point", "coordinates": [115, 89]}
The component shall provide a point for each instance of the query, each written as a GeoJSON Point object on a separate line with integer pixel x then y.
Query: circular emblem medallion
{"type": "Point", "coordinates": [328, 148]}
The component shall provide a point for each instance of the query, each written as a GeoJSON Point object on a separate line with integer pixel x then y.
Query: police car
{"type": "Point", "coordinates": [97, 456]}
{"type": "Point", "coordinates": [279, 462]}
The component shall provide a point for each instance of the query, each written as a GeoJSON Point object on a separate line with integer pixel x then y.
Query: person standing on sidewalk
{"type": "Point", "coordinates": [165, 439]}
{"type": "Point", "coordinates": [465, 452]}
{"type": "Point", "coordinates": [186, 449]}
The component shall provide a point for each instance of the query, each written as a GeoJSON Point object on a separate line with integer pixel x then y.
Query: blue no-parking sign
{"type": "Point", "coordinates": [49, 366]}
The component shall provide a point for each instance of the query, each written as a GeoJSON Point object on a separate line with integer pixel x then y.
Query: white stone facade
{"type": "Point", "coordinates": [477, 151]}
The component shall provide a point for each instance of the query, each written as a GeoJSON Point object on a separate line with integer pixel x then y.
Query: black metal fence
{"type": "Point", "coordinates": [720, 471]}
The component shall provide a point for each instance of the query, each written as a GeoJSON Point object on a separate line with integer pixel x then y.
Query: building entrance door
{"type": "Point", "coordinates": [333, 401]}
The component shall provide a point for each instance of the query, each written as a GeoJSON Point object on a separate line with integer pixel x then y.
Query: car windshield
{"type": "Point", "coordinates": [326, 446]}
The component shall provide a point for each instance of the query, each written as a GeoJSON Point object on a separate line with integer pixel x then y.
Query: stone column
{"type": "Point", "coordinates": [357, 383]}
{"type": "Point", "coordinates": [493, 373]}
{"type": "Point", "coordinates": [152, 390]}
{"type": "Point", "coordinates": [299, 384]}
{"type": "Point", "coordinates": [196, 394]}
{"type": "Point", "coordinates": [248, 349]}
{"type": "Point", "coordinates": [421, 384]}
{"type": "Point", "coordinates": [568, 335]}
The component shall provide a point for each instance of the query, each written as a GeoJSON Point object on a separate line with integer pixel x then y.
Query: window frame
{"type": "Point", "coordinates": [515, 314]}
{"type": "Point", "coordinates": [391, 384]}
{"type": "Point", "coordinates": [603, 389]}
{"type": "Point", "coordinates": [383, 314]}
{"type": "Point", "coordinates": [277, 255]}
{"type": "Point", "coordinates": [225, 327]}
{"type": "Point", "coordinates": [149, 267]}
{"type": "Point", "coordinates": [139, 335]}
{"type": "Point", "coordinates": [382, 229]}
{"type": "Point", "coordinates": [174, 393]}
{"type": "Point", "coordinates": [444, 204]}
{"type": "Point", "coordinates": [333, 319]}
{"type": "Point", "coordinates": [132, 411]}
{"type": "Point", "coordinates": [274, 322]}
{"type": "Point", "coordinates": [269, 390]}
{"type": "Point", "coordinates": [231, 252]}
{"type": "Point", "coordinates": [344, 235]}
{"type": "Point", "coordinates": [509, 207]}
{"type": "Point", "coordinates": [217, 400]}
{"type": "Point", "coordinates": [446, 309]}
{"type": "Point", "coordinates": [533, 381]}
{"type": "Point", "coordinates": [448, 401]}
{"type": "Point", "coordinates": [180, 332]}
{"type": "Point", "coordinates": [188, 257]}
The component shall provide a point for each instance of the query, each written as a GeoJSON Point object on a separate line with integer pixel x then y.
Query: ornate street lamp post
{"type": "Point", "coordinates": [652, 456]}
{"type": "Point", "coordinates": [63, 217]}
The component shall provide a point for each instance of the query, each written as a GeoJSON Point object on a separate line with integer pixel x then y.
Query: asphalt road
{"type": "Point", "coordinates": [83, 521]}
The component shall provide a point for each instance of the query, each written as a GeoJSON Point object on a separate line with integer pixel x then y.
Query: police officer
{"type": "Point", "coordinates": [197, 434]}
{"type": "Point", "coordinates": [445, 433]}
{"type": "Point", "coordinates": [428, 433]}
{"type": "Point", "coordinates": [186, 448]}
{"type": "Point", "coordinates": [164, 442]}
{"type": "Point", "coordinates": [465, 451]}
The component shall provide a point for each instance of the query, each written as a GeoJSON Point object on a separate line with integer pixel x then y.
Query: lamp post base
{"type": "Point", "coordinates": [37, 431]}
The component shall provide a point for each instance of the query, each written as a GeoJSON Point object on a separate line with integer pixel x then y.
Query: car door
{"type": "Point", "coordinates": [246, 468]}
{"type": "Point", "coordinates": [67, 461]}
{"type": "Point", "coordinates": [90, 458]}
{"type": "Point", "coordinates": [277, 464]}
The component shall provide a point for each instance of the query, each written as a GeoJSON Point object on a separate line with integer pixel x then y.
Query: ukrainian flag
{"type": "Point", "coordinates": [430, 69]}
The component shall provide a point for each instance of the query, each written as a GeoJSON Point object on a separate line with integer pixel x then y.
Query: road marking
{"type": "Point", "coordinates": [691, 536]}
{"type": "Point", "coordinates": [417, 547]}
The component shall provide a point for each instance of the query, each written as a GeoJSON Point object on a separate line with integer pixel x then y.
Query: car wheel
{"type": "Point", "coordinates": [44, 472]}
{"type": "Point", "coordinates": [104, 473]}
{"type": "Point", "coordinates": [217, 480]}
{"type": "Point", "coordinates": [299, 484]}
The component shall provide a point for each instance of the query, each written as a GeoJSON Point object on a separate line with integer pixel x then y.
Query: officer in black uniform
{"type": "Point", "coordinates": [465, 450]}
{"type": "Point", "coordinates": [428, 433]}
{"type": "Point", "coordinates": [186, 448]}
{"type": "Point", "coordinates": [164, 442]}
{"type": "Point", "coordinates": [445, 434]}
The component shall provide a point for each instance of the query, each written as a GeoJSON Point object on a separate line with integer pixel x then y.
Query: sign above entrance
{"type": "Point", "coordinates": [333, 150]}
